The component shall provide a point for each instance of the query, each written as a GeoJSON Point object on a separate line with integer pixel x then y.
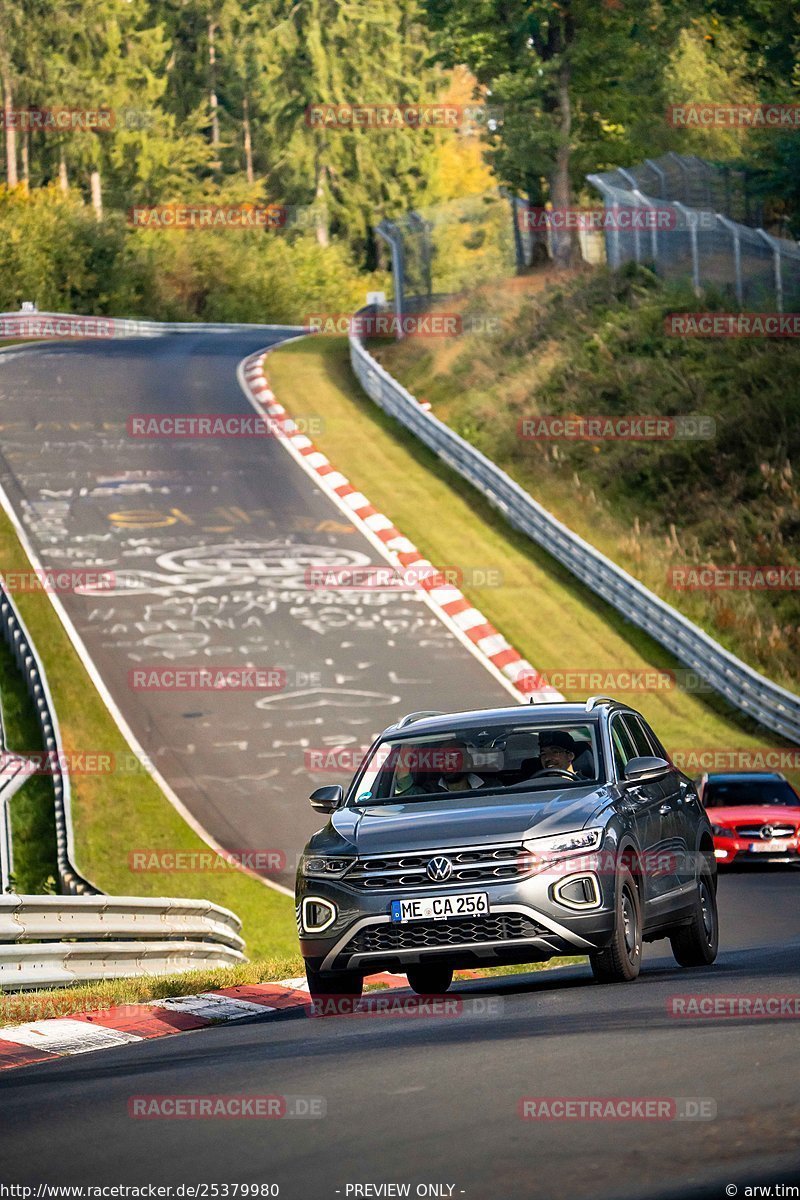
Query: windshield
{"type": "Point", "coordinates": [480, 760]}
{"type": "Point", "coordinates": [728, 793]}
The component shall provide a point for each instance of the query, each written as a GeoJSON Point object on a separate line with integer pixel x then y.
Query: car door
{"type": "Point", "coordinates": [644, 800]}
{"type": "Point", "coordinates": [685, 815]}
{"type": "Point", "coordinates": [667, 856]}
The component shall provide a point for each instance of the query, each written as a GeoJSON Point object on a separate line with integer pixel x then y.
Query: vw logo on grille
{"type": "Point", "coordinates": [766, 832]}
{"type": "Point", "coordinates": [439, 869]}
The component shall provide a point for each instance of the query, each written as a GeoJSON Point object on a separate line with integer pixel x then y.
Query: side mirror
{"type": "Point", "coordinates": [647, 767]}
{"type": "Point", "coordinates": [327, 799]}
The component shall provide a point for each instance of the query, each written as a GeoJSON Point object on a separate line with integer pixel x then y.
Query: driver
{"type": "Point", "coordinates": [557, 751]}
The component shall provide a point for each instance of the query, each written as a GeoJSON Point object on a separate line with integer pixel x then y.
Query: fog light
{"type": "Point", "coordinates": [578, 891]}
{"type": "Point", "coordinates": [317, 914]}
{"type": "Point", "coordinates": [720, 854]}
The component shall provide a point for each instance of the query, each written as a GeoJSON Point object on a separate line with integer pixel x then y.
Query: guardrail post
{"type": "Point", "coordinates": [391, 235]}
{"type": "Point", "coordinates": [691, 224]}
{"type": "Point", "coordinates": [737, 255]}
{"type": "Point", "coordinates": [775, 247]}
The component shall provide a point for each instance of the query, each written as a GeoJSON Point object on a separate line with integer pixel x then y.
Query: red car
{"type": "Point", "coordinates": [755, 817]}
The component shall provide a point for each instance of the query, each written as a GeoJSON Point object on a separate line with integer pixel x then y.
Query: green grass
{"type": "Point", "coordinates": [595, 345]}
{"type": "Point", "coordinates": [549, 617]}
{"type": "Point", "coordinates": [17, 1009]}
{"type": "Point", "coordinates": [32, 813]}
{"type": "Point", "coordinates": [116, 813]}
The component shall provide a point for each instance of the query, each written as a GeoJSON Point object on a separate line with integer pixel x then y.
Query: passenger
{"type": "Point", "coordinates": [448, 772]}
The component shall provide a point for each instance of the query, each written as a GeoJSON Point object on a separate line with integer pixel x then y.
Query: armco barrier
{"type": "Point", "coordinates": [13, 630]}
{"type": "Point", "coordinates": [126, 326]}
{"type": "Point", "coordinates": [772, 706]}
{"type": "Point", "coordinates": [51, 941]}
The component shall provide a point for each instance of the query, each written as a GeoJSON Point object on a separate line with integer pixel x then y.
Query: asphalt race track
{"type": "Point", "coordinates": [434, 1100]}
{"type": "Point", "coordinates": [213, 538]}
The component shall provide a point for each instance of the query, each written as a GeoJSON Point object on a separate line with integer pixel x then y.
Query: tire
{"type": "Point", "coordinates": [334, 983]}
{"type": "Point", "coordinates": [429, 981]}
{"type": "Point", "coordinates": [621, 960]}
{"type": "Point", "coordinates": [696, 945]}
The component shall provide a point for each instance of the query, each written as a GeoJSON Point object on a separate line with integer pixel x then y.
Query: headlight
{"type": "Point", "coordinates": [721, 831]}
{"type": "Point", "coordinates": [565, 843]}
{"type": "Point", "coordinates": [315, 866]}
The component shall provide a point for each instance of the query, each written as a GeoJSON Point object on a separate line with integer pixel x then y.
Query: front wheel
{"type": "Point", "coordinates": [696, 944]}
{"type": "Point", "coordinates": [429, 981]}
{"type": "Point", "coordinates": [334, 983]}
{"type": "Point", "coordinates": [621, 960]}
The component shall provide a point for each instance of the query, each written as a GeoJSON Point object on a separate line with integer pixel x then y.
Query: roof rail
{"type": "Point", "coordinates": [409, 718]}
{"type": "Point", "coordinates": [594, 701]}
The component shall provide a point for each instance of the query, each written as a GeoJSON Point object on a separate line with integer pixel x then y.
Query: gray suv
{"type": "Point", "coordinates": [506, 836]}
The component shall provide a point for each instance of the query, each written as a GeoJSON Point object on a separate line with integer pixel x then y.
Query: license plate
{"type": "Point", "coordinates": [440, 908]}
{"type": "Point", "coordinates": [776, 846]}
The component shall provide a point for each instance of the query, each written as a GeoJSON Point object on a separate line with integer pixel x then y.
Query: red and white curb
{"type": "Point", "coordinates": [102, 1029]}
{"type": "Point", "coordinates": [457, 612]}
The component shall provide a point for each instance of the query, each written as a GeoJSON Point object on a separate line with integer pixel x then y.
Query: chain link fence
{"type": "Point", "coordinates": [448, 248]}
{"type": "Point", "coordinates": [693, 225]}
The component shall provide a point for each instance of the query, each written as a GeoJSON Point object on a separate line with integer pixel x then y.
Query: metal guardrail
{"type": "Point", "coordinates": [13, 630]}
{"type": "Point", "coordinates": [112, 327]}
{"type": "Point", "coordinates": [14, 775]}
{"type": "Point", "coordinates": [752, 693]}
{"type": "Point", "coordinates": [50, 941]}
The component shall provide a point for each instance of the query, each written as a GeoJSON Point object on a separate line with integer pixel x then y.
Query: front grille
{"type": "Point", "coordinates": [419, 935]}
{"type": "Point", "coordinates": [754, 831]}
{"type": "Point", "coordinates": [472, 865]}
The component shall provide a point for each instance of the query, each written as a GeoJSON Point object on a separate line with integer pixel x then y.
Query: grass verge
{"type": "Point", "coordinates": [109, 993]}
{"type": "Point", "coordinates": [596, 344]}
{"type": "Point", "coordinates": [93, 997]}
{"type": "Point", "coordinates": [116, 813]}
{"type": "Point", "coordinates": [544, 612]}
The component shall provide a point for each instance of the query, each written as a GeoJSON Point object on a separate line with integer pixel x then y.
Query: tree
{"type": "Point", "coordinates": [580, 82]}
{"type": "Point", "coordinates": [357, 52]}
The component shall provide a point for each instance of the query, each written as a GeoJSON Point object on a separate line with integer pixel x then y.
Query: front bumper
{"type": "Point", "coordinates": [525, 923]}
{"type": "Point", "coordinates": [738, 853]}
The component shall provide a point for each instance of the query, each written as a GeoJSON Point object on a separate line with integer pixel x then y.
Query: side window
{"type": "Point", "coordinates": [624, 749]}
{"type": "Point", "coordinates": [657, 748]}
{"type": "Point", "coordinates": [637, 736]}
